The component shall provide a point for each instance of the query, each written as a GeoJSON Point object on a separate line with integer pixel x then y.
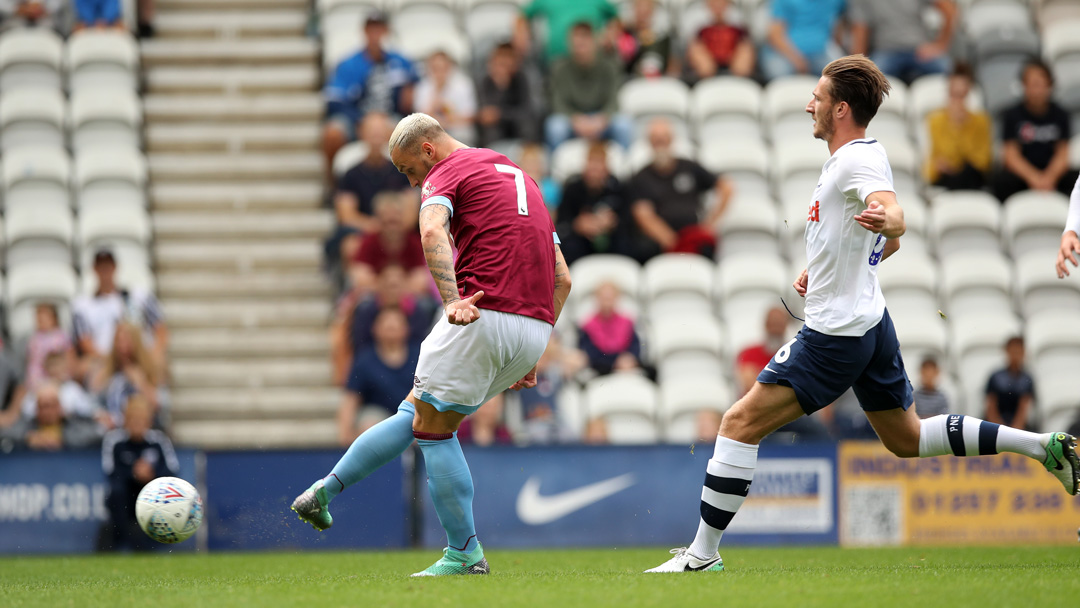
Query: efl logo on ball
{"type": "Point", "coordinates": [169, 510]}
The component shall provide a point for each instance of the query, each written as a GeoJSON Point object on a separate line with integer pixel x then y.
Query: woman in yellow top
{"type": "Point", "coordinates": [960, 141]}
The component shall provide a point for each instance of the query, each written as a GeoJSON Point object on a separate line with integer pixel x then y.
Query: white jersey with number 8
{"type": "Point", "coordinates": [843, 297]}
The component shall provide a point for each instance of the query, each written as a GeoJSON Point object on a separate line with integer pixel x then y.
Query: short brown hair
{"type": "Point", "coordinates": [856, 80]}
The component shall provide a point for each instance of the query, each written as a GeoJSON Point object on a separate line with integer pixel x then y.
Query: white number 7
{"type": "Point", "coordinates": [519, 181]}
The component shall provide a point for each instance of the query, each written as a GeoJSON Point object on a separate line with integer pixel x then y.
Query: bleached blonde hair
{"type": "Point", "coordinates": [413, 130]}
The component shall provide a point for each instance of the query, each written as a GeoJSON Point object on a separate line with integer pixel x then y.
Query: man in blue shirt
{"type": "Point", "coordinates": [799, 38]}
{"type": "Point", "coordinates": [372, 80]}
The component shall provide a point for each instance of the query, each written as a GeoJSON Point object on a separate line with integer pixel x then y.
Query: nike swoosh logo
{"type": "Point", "coordinates": [769, 369]}
{"type": "Point", "coordinates": [701, 567]}
{"type": "Point", "coordinates": [1059, 465]}
{"type": "Point", "coordinates": [536, 510]}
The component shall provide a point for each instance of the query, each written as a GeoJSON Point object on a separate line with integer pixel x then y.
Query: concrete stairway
{"type": "Point", "coordinates": [232, 130]}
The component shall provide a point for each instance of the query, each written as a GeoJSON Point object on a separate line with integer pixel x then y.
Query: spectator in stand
{"type": "Point", "coordinates": [1010, 392]}
{"type": "Point", "coordinates": [666, 201]}
{"type": "Point", "coordinates": [508, 110]}
{"type": "Point", "coordinates": [95, 318]}
{"type": "Point", "coordinates": [354, 202]}
{"type": "Point", "coordinates": [30, 13]}
{"type": "Point", "coordinates": [74, 399]}
{"type": "Point", "coordinates": [752, 359]}
{"type": "Point", "coordinates": [130, 457]}
{"type": "Point", "coordinates": [609, 338]}
{"type": "Point", "coordinates": [533, 161]}
{"type": "Point", "coordinates": [51, 429]}
{"type": "Point", "coordinates": [380, 375]}
{"type": "Point", "coordinates": [584, 90]}
{"type": "Point", "coordinates": [447, 94]}
{"type": "Point", "coordinates": [373, 80]}
{"type": "Point", "coordinates": [961, 149]}
{"type": "Point", "coordinates": [543, 422]}
{"type": "Point", "coordinates": [593, 214]}
{"type": "Point", "coordinates": [561, 16]}
{"type": "Point", "coordinates": [929, 400]}
{"type": "Point", "coordinates": [146, 12]}
{"type": "Point", "coordinates": [895, 36]}
{"type": "Point", "coordinates": [720, 48]}
{"type": "Point", "coordinates": [643, 50]}
{"type": "Point", "coordinates": [48, 338]}
{"type": "Point", "coordinates": [1036, 133]}
{"type": "Point", "coordinates": [130, 370]}
{"type": "Point", "coordinates": [486, 426]}
{"type": "Point", "coordinates": [396, 243]}
{"type": "Point", "coordinates": [351, 331]}
{"type": "Point", "coordinates": [800, 37]}
{"type": "Point", "coordinates": [98, 14]}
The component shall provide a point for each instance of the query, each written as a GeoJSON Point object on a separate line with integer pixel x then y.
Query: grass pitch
{"type": "Point", "coordinates": [909, 577]}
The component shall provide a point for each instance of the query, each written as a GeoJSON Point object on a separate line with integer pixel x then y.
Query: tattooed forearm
{"type": "Point", "coordinates": [437, 251]}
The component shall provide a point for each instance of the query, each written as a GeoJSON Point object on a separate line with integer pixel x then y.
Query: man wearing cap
{"type": "Point", "coordinates": [95, 316]}
{"type": "Point", "coordinates": [372, 80]}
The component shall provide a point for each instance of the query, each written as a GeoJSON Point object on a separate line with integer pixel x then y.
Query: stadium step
{"type": "Point", "coordinates": [247, 312]}
{"type": "Point", "coordinates": [242, 256]}
{"type": "Point", "coordinates": [245, 434]}
{"type": "Point", "coordinates": [217, 284]}
{"type": "Point", "coordinates": [230, 24]}
{"type": "Point", "coordinates": [292, 372]}
{"type": "Point", "coordinates": [306, 108]}
{"type": "Point", "coordinates": [269, 137]}
{"type": "Point", "coordinates": [239, 342]}
{"type": "Point", "coordinates": [231, 80]}
{"type": "Point", "coordinates": [276, 51]}
{"type": "Point", "coordinates": [223, 167]}
{"type": "Point", "coordinates": [165, 6]}
{"type": "Point", "coordinates": [224, 403]}
{"type": "Point", "coordinates": [315, 224]}
{"type": "Point", "coordinates": [232, 196]}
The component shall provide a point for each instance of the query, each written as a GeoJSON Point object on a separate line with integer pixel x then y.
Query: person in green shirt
{"type": "Point", "coordinates": [561, 16]}
{"type": "Point", "coordinates": [584, 90]}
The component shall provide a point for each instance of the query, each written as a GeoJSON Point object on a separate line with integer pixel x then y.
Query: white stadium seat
{"type": "Point", "coordinates": [348, 157]}
{"type": "Point", "coordinates": [1052, 340]}
{"type": "Point", "coordinates": [682, 399]}
{"type": "Point", "coordinates": [1032, 221]}
{"type": "Point", "coordinates": [111, 117]}
{"type": "Point", "coordinates": [1060, 40]}
{"type": "Point", "coordinates": [107, 175]}
{"type": "Point", "coordinates": [895, 103]}
{"type": "Point", "coordinates": [976, 281]}
{"type": "Point", "coordinates": [692, 364]}
{"type": "Point", "coordinates": [30, 58]}
{"type": "Point", "coordinates": [746, 161]}
{"type": "Point", "coordinates": [421, 13]}
{"type": "Point", "coordinates": [749, 225]}
{"type": "Point", "coordinates": [920, 335]}
{"type": "Point", "coordinates": [909, 281]}
{"type": "Point", "coordinates": [984, 18]}
{"type": "Point", "coordinates": [916, 217]}
{"type": "Point", "coordinates": [591, 271]}
{"type": "Point", "coordinates": [787, 96]}
{"type": "Point", "coordinates": [723, 96]}
{"type": "Point", "coordinates": [33, 282]}
{"type": "Point", "coordinates": [103, 59]}
{"type": "Point", "coordinates": [33, 175]}
{"type": "Point", "coordinates": [569, 158]}
{"type": "Point", "coordinates": [965, 220]}
{"type": "Point", "coordinates": [749, 285]}
{"type": "Point", "coordinates": [698, 334]}
{"type": "Point", "coordinates": [977, 339]}
{"type": "Point", "coordinates": [39, 232]}
{"type": "Point", "coordinates": [1038, 288]}
{"type": "Point", "coordinates": [677, 273]}
{"type": "Point", "coordinates": [31, 117]}
{"type": "Point", "coordinates": [628, 404]}
{"type": "Point", "coordinates": [417, 42]}
{"type": "Point", "coordinates": [646, 98]}
{"type": "Point", "coordinates": [339, 42]}
{"type": "Point", "coordinates": [801, 157]}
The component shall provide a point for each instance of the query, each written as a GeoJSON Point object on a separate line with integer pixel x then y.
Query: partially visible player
{"type": "Point", "coordinates": [848, 340]}
{"type": "Point", "coordinates": [1070, 239]}
{"type": "Point", "coordinates": [510, 264]}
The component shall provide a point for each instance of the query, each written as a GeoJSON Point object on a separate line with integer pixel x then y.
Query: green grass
{"type": "Point", "coordinates": [909, 577]}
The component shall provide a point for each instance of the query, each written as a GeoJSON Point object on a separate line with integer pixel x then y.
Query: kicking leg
{"type": "Point", "coordinates": [908, 437]}
{"type": "Point", "coordinates": [730, 471]}
{"type": "Point", "coordinates": [451, 487]}
{"type": "Point", "coordinates": [371, 450]}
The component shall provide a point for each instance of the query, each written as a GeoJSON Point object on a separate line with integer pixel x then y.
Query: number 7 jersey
{"type": "Point", "coordinates": [502, 230]}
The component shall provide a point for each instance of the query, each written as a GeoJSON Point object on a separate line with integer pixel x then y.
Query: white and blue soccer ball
{"type": "Point", "coordinates": [169, 510]}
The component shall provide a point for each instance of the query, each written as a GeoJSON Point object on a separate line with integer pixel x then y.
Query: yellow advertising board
{"type": "Point", "coordinates": [1003, 499]}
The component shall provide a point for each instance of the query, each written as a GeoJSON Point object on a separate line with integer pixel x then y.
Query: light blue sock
{"type": "Point", "coordinates": [372, 449]}
{"type": "Point", "coordinates": [451, 486]}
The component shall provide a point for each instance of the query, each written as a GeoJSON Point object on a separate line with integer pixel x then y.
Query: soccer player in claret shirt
{"type": "Point", "coordinates": [854, 222]}
{"type": "Point", "coordinates": [501, 300]}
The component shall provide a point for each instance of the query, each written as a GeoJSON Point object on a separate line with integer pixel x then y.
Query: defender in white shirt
{"type": "Point", "coordinates": [853, 224]}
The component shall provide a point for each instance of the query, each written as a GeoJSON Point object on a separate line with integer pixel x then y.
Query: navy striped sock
{"type": "Point", "coordinates": [727, 482]}
{"type": "Point", "coordinates": [967, 436]}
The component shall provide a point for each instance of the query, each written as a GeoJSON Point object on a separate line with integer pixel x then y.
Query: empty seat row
{"type": "Point", "coordinates": [38, 58]}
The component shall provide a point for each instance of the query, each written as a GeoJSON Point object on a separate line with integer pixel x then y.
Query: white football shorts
{"type": "Point", "coordinates": [462, 366]}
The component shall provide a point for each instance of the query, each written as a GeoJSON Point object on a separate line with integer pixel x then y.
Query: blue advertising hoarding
{"type": "Point", "coordinates": [54, 502]}
{"type": "Point", "coordinates": [248, 495]}
{"type": "Point", "coordinates": [630, 496]}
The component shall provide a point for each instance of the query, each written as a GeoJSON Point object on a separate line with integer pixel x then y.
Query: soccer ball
{"type": "Point", "coordinates": [169, 510]}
